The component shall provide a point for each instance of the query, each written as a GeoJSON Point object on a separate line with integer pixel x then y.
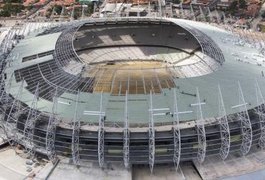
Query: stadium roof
{"type": "Point", "coordinates": [227, 76]}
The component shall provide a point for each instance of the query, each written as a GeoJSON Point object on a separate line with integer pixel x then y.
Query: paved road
{"type": "Point", "coordinates": [258, 175]}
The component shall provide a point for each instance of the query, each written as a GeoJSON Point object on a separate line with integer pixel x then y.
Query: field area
{"type": "Point", "coordinates": [138, 77]}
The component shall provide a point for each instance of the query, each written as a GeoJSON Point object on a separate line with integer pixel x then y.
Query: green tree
{"type": "Point", "coordinates": [233, 7]}
{"type": "Point", "coordinates": [263, 14]}
{"type": "Point", "coordinates": [11, 9]}
{"type": "Point", "coordinates": [242, 4]}
{"type": "Point", "coordinates": [13, 1]}
{"type": "Point", "coordinates": [5, 13]}
{"type": "Point", "coordinates": [176, 1]}
{"type": "Point", "coordinates": [58, 9]}
{"type": "Point", "coordinates": [30, 7]}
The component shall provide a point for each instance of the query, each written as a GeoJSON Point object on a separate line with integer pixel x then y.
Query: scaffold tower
{"type": "Point", "coordinates": [224, 127]}
{"type": "Point", "coordinates": [260, 110]}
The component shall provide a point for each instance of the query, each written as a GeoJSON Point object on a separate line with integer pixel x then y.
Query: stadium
{"type": "Point", "coordinates": [134, 91]}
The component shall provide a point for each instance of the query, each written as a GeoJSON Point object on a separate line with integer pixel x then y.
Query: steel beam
{"type": "Point", "coordinates": [151, 135]}
{"type": "Point", "coordinates": [75, 134]}
{"type": "Point", "coordinates": [30, 124]}
{"type": "Point", "coordinates": [200, 129]}
{"type": "Point", "coordinates": [192, 12]}
{"type": "Point", "coordinates": [16, 104]}
{"type": "Point", "coordinates": [176, 133]}
{"type": "Point", "coordinates": [2, 90]}
{"type": "Point", "coordinates": [157, 79]}
{"type": "Point", "coordinates": [260, 110]}
{"type": "Point", "coordinates": [143, 83]}
{"type": "Point", "coordinates": [246, 128]}
{"type": "Point", "coordinates": [224, 127]}
{"type": "Point", "coordinates": [4, 93]}
{"type": "Point", "coordinates": [61, 14]}
{"type": "Point", "coordinates": [202, 13]}
{"type": "Point", "coordinates": [83, 12]}
{"type": "Point", "coordinates": [51, 130]}
{"type": "Point", "coordinates": [210, 14]}
{"type": "Point", "coordinates": [101, 135]}
{"type": "Point", "coordinates": [182, 10]}
{"type": "Point", "coordinates": [15, 111]}
{"type": "Point", "coordinates": [126, 134]}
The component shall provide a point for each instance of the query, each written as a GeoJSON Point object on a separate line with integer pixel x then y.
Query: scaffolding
{"type": "Point", "coordinates": [200, 128]}
{"type": "Point", "coordinates": [51, 131]}
{"type": "Point", "coordinates": [101, 135]}
{"type": "Point", "coordinates": [75, 134]}
{"type": "Point", "coordinates": [5, 88]}
{"type": "Point", "coordinates": [260, 110]}
{"type": "Point", "coordinates": [70, 84]}
{"type": "Point", "coordinates": [151, 135]}
{"type": "Point", "coordinates": [209, 47]}
{"type": "Point", "coordinates": [30, 124]}
{"type": "Point", "coordinates": [126, 134]}
{"type": "Point", "coordinates": [176, 131]}
{"type": "Point", "coordinates": [243, 117]}
{"type": "Point", "coordinates": [224, 127]}
{"type": "Point", "coordinates": [15, 112]}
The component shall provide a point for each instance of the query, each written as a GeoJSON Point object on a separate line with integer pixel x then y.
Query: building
{"type": "Point", "coordinates": [134, 91]}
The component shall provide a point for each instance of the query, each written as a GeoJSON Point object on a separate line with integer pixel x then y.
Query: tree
{"type": "Point", "coordinates": [5, 13]}
{"type": "Point", "coordinates": [48, 12]}
{"type": "Point", "coordinates": [11, 9]}
{"type": "Point", "coordinates": [58, 9]}
{"type": "Point", "coordinates": [233, 7]}
{"type": "Point", "coordinates": [176, 1]}
{"type": "Point", "coordinates": [242, 4]}
{"type": "Point", "coordinates": [30, 7]}
{"type": "Point", "coordinates": [263, 14]}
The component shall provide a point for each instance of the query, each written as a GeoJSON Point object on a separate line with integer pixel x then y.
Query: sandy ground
{"type": "Point", "coordinates": [14, 166]}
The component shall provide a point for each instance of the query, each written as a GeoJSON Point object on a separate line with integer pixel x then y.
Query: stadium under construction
{"type": "Point", "coordinates": [133, 91]}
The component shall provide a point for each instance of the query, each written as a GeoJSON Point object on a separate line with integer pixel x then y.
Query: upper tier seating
{"type": "Point", "coordinates": [166, 35]}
